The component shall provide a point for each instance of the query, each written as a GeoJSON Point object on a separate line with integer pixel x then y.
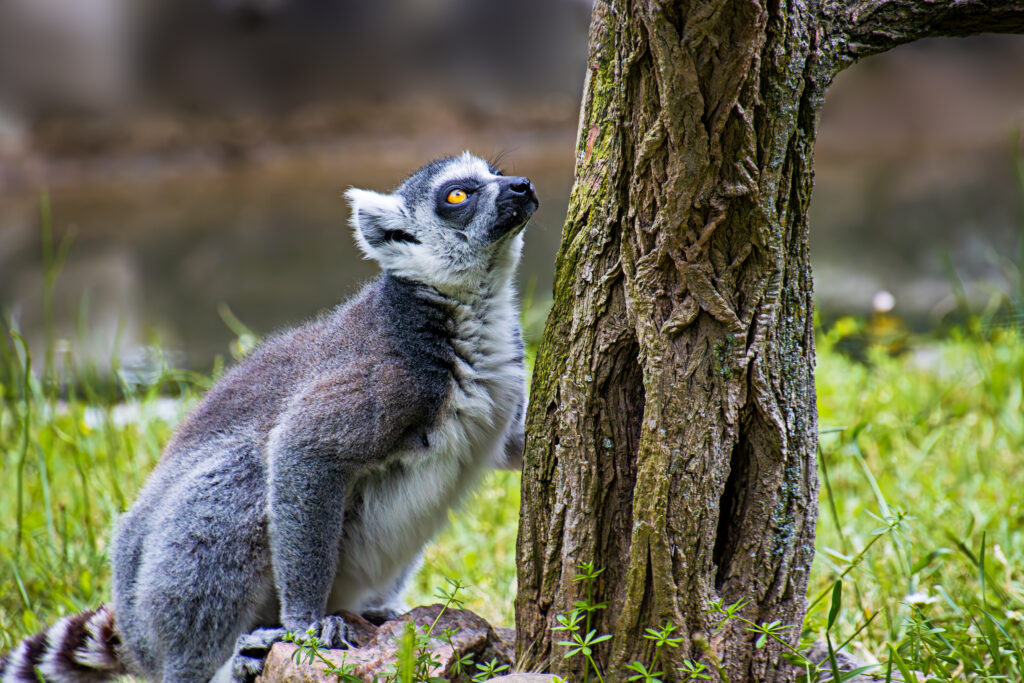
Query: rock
{"type": "Point", "coordinates": [524, 678]}
{"type": "Point", "coordinates": [818, 654]}
{"type": "Point", "coordinates": [377, 647]}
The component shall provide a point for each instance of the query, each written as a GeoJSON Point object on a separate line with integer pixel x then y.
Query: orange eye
{"type": "Point", "coordinates": [457, 196]}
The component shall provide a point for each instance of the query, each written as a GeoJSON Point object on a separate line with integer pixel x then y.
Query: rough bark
{"type": "Point", "coordinates": [672, 423]}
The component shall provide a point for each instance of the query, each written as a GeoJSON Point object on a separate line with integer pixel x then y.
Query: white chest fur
{"type": "Point", "coordinates": [404, 506]}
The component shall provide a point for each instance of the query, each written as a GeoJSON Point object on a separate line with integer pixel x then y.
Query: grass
{"type": "Point", "coordinates": [67, 468]}
{"type": "Point", "coordinates": [935, 436]}
{"type": "Point", "coordinates": [922, 500]}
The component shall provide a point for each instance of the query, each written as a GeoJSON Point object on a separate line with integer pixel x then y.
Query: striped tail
{"type": "Point", "coordinates": [81, 648]}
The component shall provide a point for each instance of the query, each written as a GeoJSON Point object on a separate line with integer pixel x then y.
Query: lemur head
{"type": "Point", "coordinates": [452, 224]}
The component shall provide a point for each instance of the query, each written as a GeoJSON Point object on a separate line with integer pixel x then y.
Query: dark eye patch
{"type": "Point", "coordinates": [399, 236]}
{"type": "Point", "coordinates": [469, 185]}
{"type": "Point", "coordinates": [457, 215]}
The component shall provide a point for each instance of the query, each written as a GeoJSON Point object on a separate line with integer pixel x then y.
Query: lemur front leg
{"type": "Point", "coordinates": [308, 477]}
{"type": "Point", "coordinates": [306, 512]}
{"type": "Point", "coordinates": [332, 431]}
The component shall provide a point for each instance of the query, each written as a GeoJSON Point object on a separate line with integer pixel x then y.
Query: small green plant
{"type": "Point", "coordinates": [776, 631]}
{"type": "Point", "coordinates": [582, 637]}
{"type": "Point", "coordinates": [308, 649]}
{"type": "Point", "coordinates": [415, 658]}
{"type": "Point", "coordinates": [487, 671]}
{"type": "Point", "coordinates": [582, 640]}
{"type": "Point", "coordinates": [662, 638]}
{"type": "Point", "coordinates": [693, 671]}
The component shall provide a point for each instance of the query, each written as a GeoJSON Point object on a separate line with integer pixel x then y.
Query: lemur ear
{"type": "Point", "coordinates": [379, 221]}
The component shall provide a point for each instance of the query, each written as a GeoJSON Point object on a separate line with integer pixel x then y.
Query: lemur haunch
{"type": "Point", "coordinates": [310, 477]}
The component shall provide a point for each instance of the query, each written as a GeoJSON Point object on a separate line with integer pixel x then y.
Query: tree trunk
{"type": "Point", "coordinates": [672, 426]}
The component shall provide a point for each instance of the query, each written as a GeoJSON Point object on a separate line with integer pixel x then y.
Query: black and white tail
{"type": "Point", "coordinates": [81, 648]}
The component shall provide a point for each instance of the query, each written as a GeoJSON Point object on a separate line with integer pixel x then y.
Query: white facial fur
{"type": "Point", "coordinates": [447, 257]}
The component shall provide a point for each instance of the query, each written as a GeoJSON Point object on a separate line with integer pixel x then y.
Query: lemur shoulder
{"type": "Point", "coordinates": [310, 477]}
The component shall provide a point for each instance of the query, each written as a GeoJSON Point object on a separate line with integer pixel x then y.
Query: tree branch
{"type": "Point", "coordinates": [867, 27]}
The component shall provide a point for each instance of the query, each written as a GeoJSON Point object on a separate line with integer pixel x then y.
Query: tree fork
{"type": "Point", "coordinates": [672, 425]}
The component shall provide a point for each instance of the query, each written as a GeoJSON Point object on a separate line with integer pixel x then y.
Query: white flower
{"type": "Point", "coordinates": [919, 599]}
{"type": "Point", "coordinates": [883, 301]}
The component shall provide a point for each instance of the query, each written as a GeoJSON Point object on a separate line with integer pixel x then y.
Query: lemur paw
{"type": "Point", "coordinates": [334, 633]}
{"type": "Point", "coordinates": [250, 651]}
{"type": "Point", "coordinates": [331, 632]}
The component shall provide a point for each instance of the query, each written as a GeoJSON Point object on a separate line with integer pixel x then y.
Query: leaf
{"type": "Point", "coordinates": [853, 673]}
{"type": "Point", "coordinates": [837, 599]}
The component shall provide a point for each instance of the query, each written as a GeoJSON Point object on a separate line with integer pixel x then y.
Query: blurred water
{"type": "Point", "coordinates": [916, 187]}
{"type": "Point", "coordinates": [153, 263]}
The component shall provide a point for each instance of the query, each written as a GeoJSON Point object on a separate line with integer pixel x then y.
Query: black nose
{"type": "Point", "coordinates": [520, 185]}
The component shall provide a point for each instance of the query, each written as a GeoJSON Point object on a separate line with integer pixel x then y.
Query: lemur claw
{"type": "Point", "coordinates": [334, 633]}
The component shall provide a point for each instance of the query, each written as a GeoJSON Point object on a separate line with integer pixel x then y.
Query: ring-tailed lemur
{"type": "Point", "coordinates": [310, 477]}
